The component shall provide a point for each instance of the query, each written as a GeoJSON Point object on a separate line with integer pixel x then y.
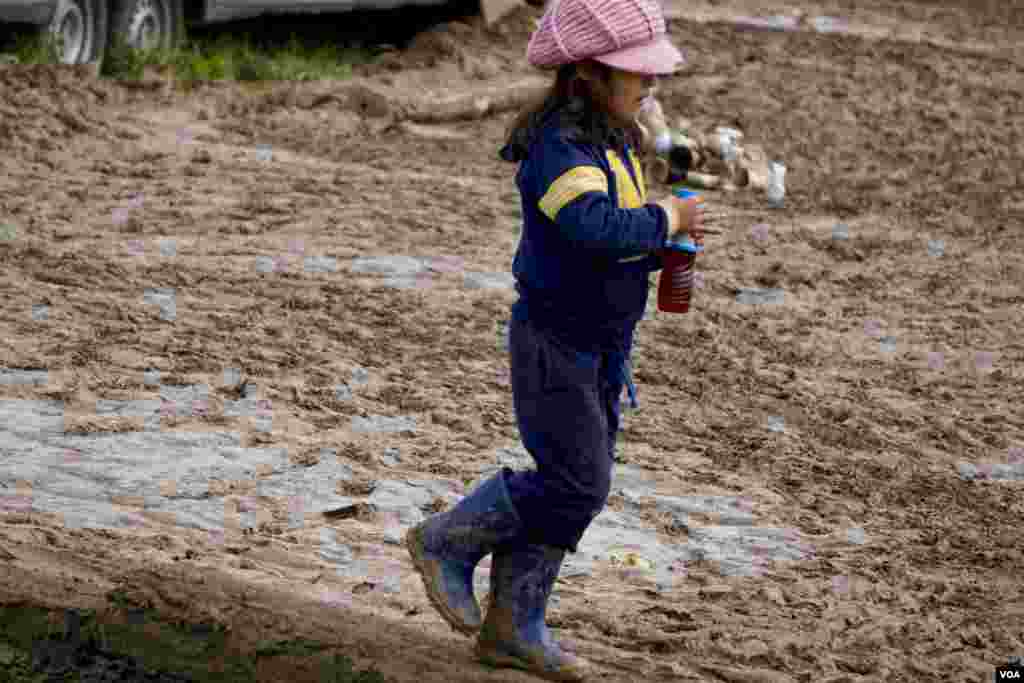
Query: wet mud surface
{"type": "Point", "coordinates": [254, 332]}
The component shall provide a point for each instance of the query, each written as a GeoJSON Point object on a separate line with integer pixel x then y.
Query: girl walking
{"type": "Point", "coordinates": [590, 238]}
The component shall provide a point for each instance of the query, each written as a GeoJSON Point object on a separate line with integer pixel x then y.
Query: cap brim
{"type": "Point", "coordinates": [656, 58]}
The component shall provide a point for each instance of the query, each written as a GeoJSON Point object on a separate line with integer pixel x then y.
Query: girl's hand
{"type": "Point", "coordinates": [686, 217]}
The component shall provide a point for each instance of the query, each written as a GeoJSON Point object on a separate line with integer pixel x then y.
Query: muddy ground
{"type": "Point", "coordinates": [874, 412]}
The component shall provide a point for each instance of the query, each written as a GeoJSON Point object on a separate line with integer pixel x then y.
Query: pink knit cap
{"type": "Point", "coordinates": [625, 34]}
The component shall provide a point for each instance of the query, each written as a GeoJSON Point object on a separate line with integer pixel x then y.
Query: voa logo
{"type": "Point", "coordinates": [1009, 675]}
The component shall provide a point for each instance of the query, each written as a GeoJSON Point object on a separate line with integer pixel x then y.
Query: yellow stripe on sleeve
{"type": "Point", "coordinates": [639, 168]}
{"type": "Point", "coordinates": [570, 185]}
{"type": "Point", "coordinates": [629, 196]}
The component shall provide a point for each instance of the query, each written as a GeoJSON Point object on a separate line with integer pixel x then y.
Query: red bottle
{"type": "Point", "coordinates": [676, 282]}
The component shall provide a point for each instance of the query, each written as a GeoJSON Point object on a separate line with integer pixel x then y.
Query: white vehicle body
{"type": "Point", "coordinates": [87, 27]}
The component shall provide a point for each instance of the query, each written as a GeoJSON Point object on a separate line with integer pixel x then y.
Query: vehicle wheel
{"type": "Point", "coordinates": [149, 24]}
{"type": "Point", "coordinates": [80, 27]}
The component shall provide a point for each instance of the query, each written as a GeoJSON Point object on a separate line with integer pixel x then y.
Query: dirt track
{"type": "Point", "coordinates": [908, 143]}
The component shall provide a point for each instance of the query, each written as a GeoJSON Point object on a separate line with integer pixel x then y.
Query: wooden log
{"type": "Point", "coordinates": [475, 106]}
{"type": "Point", "coordinates": [494, 10]}
{"type": "Point", "coordinates": [754, 164]}
{"type": "Point", "coordinates": [704, 181]}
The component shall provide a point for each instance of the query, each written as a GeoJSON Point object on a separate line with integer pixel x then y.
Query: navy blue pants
{"type": "Point", "coordinates": [567, 408]}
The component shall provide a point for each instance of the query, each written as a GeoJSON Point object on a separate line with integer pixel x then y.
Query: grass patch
{"type": "Point", "coordinates": [217, 58]}
{"type": "Point", "coordinates": [35, 47]}
{"type": "Point", "coordinates": [37, 644]}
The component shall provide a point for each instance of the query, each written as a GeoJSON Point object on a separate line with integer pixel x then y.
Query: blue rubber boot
{"type": "Point", "coordinates": [514, 633]}
{"type": "Point", "coordinates": [447, 547]}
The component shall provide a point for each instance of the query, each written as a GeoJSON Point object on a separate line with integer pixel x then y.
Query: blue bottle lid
{"type": "Point", "coordinates": [684, 244]}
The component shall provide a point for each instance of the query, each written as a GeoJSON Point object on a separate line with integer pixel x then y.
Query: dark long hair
{"type": "Point", "coordinates": [582, 108]}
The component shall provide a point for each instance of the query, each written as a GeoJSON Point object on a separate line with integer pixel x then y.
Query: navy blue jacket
{"type": "Point", "coordinates": [589, 241]}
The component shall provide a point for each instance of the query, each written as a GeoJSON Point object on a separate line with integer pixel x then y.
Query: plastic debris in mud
{"type": "Point", "coordinates": [342, 392]}
{"type": "Point", "coordinates": [826, 24]}
{"type": "Point", "coordinates": [232, 377]}
{"type": "Point", "coordinates": [264, 419]}
{"type": "Point", "coordinates": [248, 405]}
{"type": "Point", "coordinates": [759, 232]}
{"type": "Point", "coordinates": [387, 576]}
{"type": "Point", "coordinates": [264, 153]}
{"type": "Point", "coordinates": [984, 361]}
{"type": "Point", "coordinates": [777, 22]}
{"type": "Point", "coordinates": [420, 281]}
{"type": "Point", "coordinates": [332, 550]}
{"type": "Point", "coordinates": [136, 247]}
{"type": "Point", "coordinates": [7, 232]}
{"type": "Point", "coordinates": [445, 264]}
{"type": "Point", "coordinates": [760, 561]}
{"type": "Point", "coordinates": [872, 328]}
{"type": "Point", "coordinates": [40, 312]}
{"type": "Point", "coordinates": [631, 564]}
{"type": "Point", "coordinates": [841, 585]}
{"type": "Point", "coordinates": [296, 247]}
{"type": "Point", "coordinates": [21, 377]}
{"type": "Point", "coordinates": [572, 570]}
{"type": "Point", "coordinates": [887, 344]}
{"type": "Point", "coordinates": [776, 185]}
{"type": "Point", "coordinates": [776, 423]}
{"type": "Point", "coordinates": [840, 231]}
{"type": "Point", "coordinates": [757, 296]}
{"type": "Point", "coordinates": [360, 376]}
{"type": "Point", "coordinates": [489, 280]}
{"type": "Point", "coordinates": [320, 264]}
{"type": "Point", "coordinates": [515, 457]}
{"type": "Point", "coordinates": [856, 536]}
{"type": "Point", "coordinates": [120, 216]}
{"type": "Point", "coordinates": [184, 136]}
{"type": "Point", "coordinates": [391, 457]}
{"type": "Point", "coordinates": [1015, 455]}
{"type": "Point", "coordinates": [991, 471]}
{"type": "Point", "coordinates": [335, 598]}
{"type": "Point", "coordinates": [408, 499]}
{"type": "Point", "coordinates": [741, 550]}
{"type": "Point", "coordinates": [216, 537]}
{"type": "Point", "coordinates": [186, 400]}
{"type": "Point", "coordinates": [136, 201]}
{"type": "Point", "coordinates": [630, 558]}
{"type": "Point", "coordinates": [698, 279]}
{"type": "Point", "coordinates": [164, 297]}
{"type": "Point", "coordinates": [270, 264]}
{"type": "Point", "coordinates": [168, 248]}
{"type": "Point", "coordinates": [396, 266]}
{"type": "Point", "coordinates": [936, 248]}
{"type": "Point", "coordinates": [296, 512]}
{"type": "Point", "coordinates": [383, 424]}
{"type": "Point", "coordinates": [20, 500]}
{"type": "Point", "coordinates": [394, 530]}
{"type": "Point", "coordinates": [936, 360]}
